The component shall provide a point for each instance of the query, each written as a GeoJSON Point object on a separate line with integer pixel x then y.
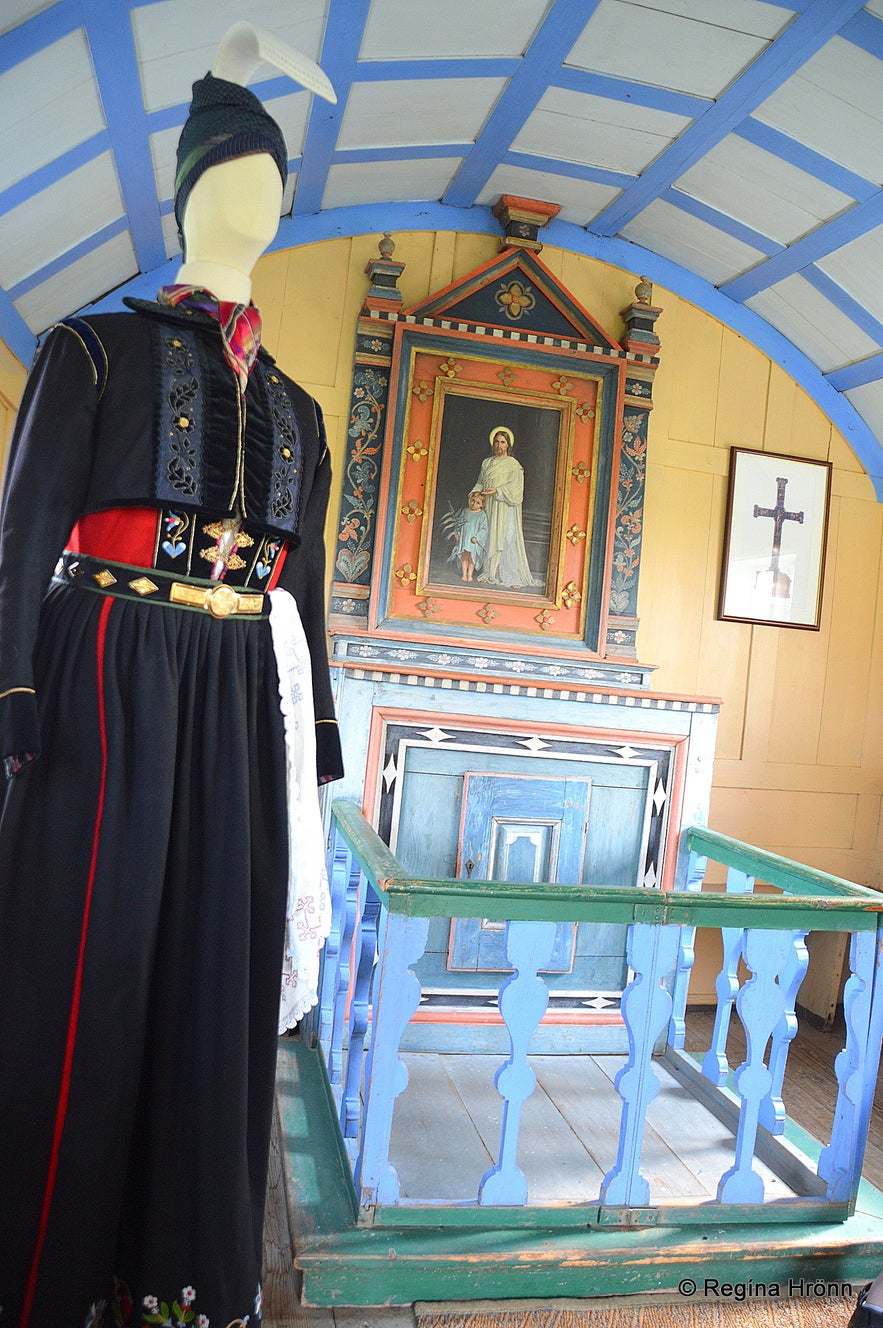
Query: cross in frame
{"type": "Point", "coordinates": [781, 582]}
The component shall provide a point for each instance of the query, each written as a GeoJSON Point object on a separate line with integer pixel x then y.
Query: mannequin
{"type": "Point", "coordinates": [166, 707]}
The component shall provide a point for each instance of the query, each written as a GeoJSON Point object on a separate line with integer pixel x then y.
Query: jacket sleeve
{"type": "Point", "coordinates": [303, 576]}
{"type": "Point", "coordinates": [47, 476]}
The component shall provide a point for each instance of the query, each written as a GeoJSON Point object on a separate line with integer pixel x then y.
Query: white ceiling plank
{"type": "Point", "coordinates": [684, 53]}
{"type": "Point", "coordinates": [692, 243]}
{"type": "Point", "coordinates": [579, 200]}
{"type": "Point", "coordinates": [868, 401]}
{"type": "Point", "coordinates": [748, 16]}
{"type": "Point", "coordinates": [762, 191]}
{"type": "Point", "coordinates": [813, 323]}
{"type": "Point", "coordinates": [84, 282]}
{"type": "Point", "coordinates": [835, 106]}
{"type": "Point", "coordinates": [394, 182]}
{"type": "Point", "coordinates": [18, 11]}
{"type": "Point", "coordinates": [425, 29]}
{"type": "Point", "coordinates": [596, 131]}
{"type": "Point", "coordinates": [177, 40]}
{"type": "Point", "coordinates": [858, 268]}
{"type": "Point", "coordinates": [60, 217]}
{"type": "Point", "coordinates": [50, 104]}
{"type": "Point", "coordinates": [414, 111]}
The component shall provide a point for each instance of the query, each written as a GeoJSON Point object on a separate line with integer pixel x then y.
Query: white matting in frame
{"type": "Point", "coordinates": [774, 545]}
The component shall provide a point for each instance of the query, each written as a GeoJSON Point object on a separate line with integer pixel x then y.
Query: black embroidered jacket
{"type": "Point", "coordinates": [141, 410]}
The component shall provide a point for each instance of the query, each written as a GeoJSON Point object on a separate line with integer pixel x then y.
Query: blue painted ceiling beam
{"type": "Point", "coordinates": [555, 39]}
{"type": "Point", "coordinates": [634, 94]}
{"type": "Point", "coordinates": [866, 31]}
{"type": "Point", "coordinates": [30, 37]}
{"type": "Point", "coordinates": [847, 304]}
{"type": "Point", "coordinates": [54, 171]}
{"type": "Point", "coordinates": [15, 332]}
{"type": "Point", "coordinates": [817, 244]}
{"type": "Point", "coordinates": [721, 222]}
{"type": "Point", "coordinates": [805, 159]}
{"type": "Point", "coordinates": [865, 371]}
{"type": "Point", "coordinates": [344, 29]}
{"type": "Point", "coordinates": [112, 44]}
{"type": "Point", "coordinates": [570, 170]}
{"type": "Point", "coordinates": [807, 34]}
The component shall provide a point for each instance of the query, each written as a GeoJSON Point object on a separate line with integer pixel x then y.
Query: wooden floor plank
{"type": "Point", "coordinates": [434, 1145]}
{"type": "Point", "coordinates": [552, 1156]}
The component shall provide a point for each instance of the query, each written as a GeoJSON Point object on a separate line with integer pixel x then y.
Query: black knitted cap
{"type": "Point", "coordinates": [225, 121]}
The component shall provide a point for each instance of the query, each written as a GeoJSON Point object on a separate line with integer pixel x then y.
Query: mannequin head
{"type": "Point", "coordinates": [231, 215]}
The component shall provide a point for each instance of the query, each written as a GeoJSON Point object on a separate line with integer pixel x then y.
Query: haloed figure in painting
{"type": "Point", "coordinates": [165, 714]}
{"type": "Point", "coordinates": [501, 483]}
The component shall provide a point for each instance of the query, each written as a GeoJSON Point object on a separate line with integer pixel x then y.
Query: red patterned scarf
{"type": "Point", "coordinates": [240, 325]}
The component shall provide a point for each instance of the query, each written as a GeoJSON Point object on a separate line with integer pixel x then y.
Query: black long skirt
{"type": "Point", "coordinates": [142, 904]}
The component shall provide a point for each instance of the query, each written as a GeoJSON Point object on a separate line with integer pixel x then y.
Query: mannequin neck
{"type": "Point", "coordinates": [220, 280]}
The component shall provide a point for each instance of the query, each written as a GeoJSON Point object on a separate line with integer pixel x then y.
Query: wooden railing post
{"type": "Point", "coordinates": [646, 1005]}
{"type": "Point", "coordinates": [715, 1065]}
{"type": "Point", "coordinates": [856, 1067]}
{"type": "Point", "coordinates": [396, 997]}
{"type": "Point", "coordinates": [523, 1001]}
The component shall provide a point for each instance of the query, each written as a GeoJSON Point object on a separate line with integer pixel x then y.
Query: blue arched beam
{"type": "Point", "coordinates": [376, 218]}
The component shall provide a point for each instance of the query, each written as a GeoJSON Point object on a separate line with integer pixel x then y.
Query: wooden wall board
{"type": "Point", "coordinates": [742, 395]}
{"type": "Point", "coordinates": [767, 817]}
{"type": "Point", "coordinates": [859, 530]}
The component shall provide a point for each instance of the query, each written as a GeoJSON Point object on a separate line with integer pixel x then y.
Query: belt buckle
{"type": "Point", "coordinates": [221, 601]}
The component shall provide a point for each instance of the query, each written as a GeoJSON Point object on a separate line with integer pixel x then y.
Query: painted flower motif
{"type": "Point", "coordinates": [202, 1321]}
{"type": "Point", "coordinates": [188, 1295]}
{"type": "Point", "coordinates": [151, 1304]}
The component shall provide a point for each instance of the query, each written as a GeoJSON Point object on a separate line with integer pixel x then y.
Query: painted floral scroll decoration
{"type": "Point", "coordinates": [629, 514]}
{"type": "Point", "coordinates": [360, 489]}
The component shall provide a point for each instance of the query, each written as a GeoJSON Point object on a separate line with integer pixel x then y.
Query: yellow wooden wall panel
{"type": "Point", "coordinates": [787, 821]}
{"type": "Point", "coordinates": [799, 689]}
{"type": "Point", "coordinates": [849, 593]}
{"type": "Point", "coordinates": [742, 394]}
{"type": "Point", "coordinates": [692, 366]}
{"type": "Point", "coordinates": [672, 576]}
{"type": "Point", "coordinates": [781, 392]}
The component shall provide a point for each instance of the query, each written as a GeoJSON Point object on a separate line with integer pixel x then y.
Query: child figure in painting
{"type": "Point", "coordinates": [471, 533]}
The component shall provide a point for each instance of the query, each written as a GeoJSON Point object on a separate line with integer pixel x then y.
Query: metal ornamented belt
{"type": "Point", "coordinates": [139, 583]}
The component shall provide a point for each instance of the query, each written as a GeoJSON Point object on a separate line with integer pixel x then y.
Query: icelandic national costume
{"type": "Point", "coordinates": [144, 856]}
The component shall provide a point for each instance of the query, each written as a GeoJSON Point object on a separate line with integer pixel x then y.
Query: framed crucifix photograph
{"type": "Point", "coordinates": [774, 541]}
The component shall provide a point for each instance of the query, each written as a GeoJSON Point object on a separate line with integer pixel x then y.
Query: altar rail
{"type": "Point", "coordinates": [381, 916]}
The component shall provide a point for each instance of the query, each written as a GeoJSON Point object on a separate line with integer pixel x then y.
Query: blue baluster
{"type": "Point", "coordinates": [856, 1067]}
{"type": "Point", "coordinates": [760, 1005]}
{"type": "Point", "coordinates": [396, 997]}
{"type": "Point", "coordinates": [366, 953]}
{"type": "Point", "coordinates": [344, 978]}
{"type": "Point", "coordinates": [677, 1028]}
{"type": "Point", "coordinates": [772, 1108]}
{"type": "Point", "coordinates": [339, 875]}
{"type": "Point", "coordinates": [715, 1065]}
{"type": "Point", "coordinates": [646, 1005]}
{"type": "Point", "coordinates": [523, 1000]}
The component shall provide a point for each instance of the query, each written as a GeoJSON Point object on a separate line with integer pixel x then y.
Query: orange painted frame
{"type": "Point", "coordinates": [416, 489]}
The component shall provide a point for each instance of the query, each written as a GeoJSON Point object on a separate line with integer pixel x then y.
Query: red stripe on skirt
{"type": "Point", "coordinates": [73, 1019]}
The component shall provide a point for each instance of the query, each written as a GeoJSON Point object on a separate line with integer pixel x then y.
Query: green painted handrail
{"type": "Point", "coordinates": [828, 904]}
